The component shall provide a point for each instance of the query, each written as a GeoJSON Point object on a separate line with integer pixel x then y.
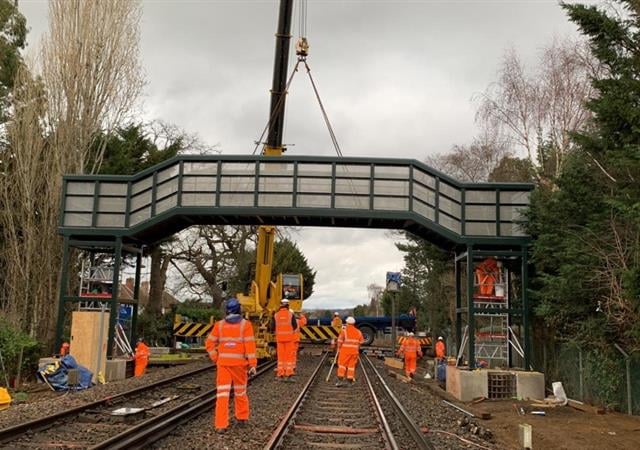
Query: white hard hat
{"type": "Point", "coordinates": [440, 338]}
{"type": "Point", "coordinates": [409, 333]}
{"type": "Point", "coordinates": [284, 301]}
{"type": "Point", "coordinates": [336, 313]}
{"type": "Point", "coordinates": [351, 320]}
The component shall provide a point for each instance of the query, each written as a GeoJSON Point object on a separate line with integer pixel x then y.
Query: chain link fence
{"type": "Point", "coordinates": [602, 377]}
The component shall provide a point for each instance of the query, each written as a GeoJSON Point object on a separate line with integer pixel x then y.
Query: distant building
{"type": "Point", "coordinates": [126, 292]}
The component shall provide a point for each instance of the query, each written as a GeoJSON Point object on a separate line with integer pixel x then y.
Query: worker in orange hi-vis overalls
{"type": "Point", "coordinates": [64, 349]}
{"type": "Point", "coordinates": [141, 358]}
{"type": "Point", "coordinates": [336, 322]}
{"type": "Point", "coordinates": [232, 347]}
{"type": "Point", "coordinates": [302, 322]}
{"type": "Point", "coordinates": [284, 325]}
{"type": "Point", "coordinates": [348, 350]}
{"type": "Point", "coordinates": [487, 274]}
{"type": "Point", "coordinates": [411, 350]}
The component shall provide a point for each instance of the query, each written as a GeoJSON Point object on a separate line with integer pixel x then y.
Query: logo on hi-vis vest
{"type": "Point", "coordinates": [229, 344]}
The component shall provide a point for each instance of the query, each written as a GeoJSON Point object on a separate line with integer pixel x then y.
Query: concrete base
{"type": "Point", "coordinates": [115, 369]}
{"type": "Point", "coordinates": [466, 385]}
{"type": "Point", "coordinates": [530, 385]}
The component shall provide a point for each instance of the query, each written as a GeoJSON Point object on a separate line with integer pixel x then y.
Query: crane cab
{"type": "Point", "coordinates": [291, 287]}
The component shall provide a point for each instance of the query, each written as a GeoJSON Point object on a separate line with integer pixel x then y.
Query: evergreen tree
{"type": "Point", "coordinates": [13, 35]}
{"type": "Point", "coordinates": [587, 247]}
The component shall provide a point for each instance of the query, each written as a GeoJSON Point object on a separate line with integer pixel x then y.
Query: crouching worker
{"type": "Point", "coordinates": [232, 347]}
{"type": "Point", "coordinates": [348, 351]}
{"type": "Point", "coordinates": [411, 350]}
{"type": "Point", "coordinates": [141, 358]}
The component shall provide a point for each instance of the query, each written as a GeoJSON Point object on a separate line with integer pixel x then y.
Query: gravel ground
{"type": "Point", "coordinates": [49, 404]}
{"type": "Point", "coordinates": [428, 411]}
{"type": "Point", "coordinates": [269, 401]}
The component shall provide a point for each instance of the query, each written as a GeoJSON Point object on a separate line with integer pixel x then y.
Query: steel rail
{"type": "Point", "coordinates": [381, 417]}
{"type": "Point", "coordinates": [280, 431]}
{"type": "Point", "coordinates": [419, 438]}
{"type": "Point", "coordinates": [155, 428]}
{"type": "Point", "coordinates": [15, 431]}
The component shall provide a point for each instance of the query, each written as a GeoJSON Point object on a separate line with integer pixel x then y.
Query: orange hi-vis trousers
{"type": "Point", "coordinates": [347, 365]}
{"type": "Point", "coordinates": [286, 358]}
{"type": "Point", "coordinates": [410, 360]}
{"type": "Point", "coordinates": [226, 377]}
{"type": "Point", "coordinates": [140, 366]}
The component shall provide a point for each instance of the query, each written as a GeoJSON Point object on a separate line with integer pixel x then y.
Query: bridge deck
{"type": "Point", "coordinates": [293, 190]}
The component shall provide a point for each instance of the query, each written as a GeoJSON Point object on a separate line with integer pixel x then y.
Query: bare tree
{"type": "Point", "coordinates": [29, 195]}
{"type": "Point", "coordinates": [474, 162]}
{"type": "Point", "coordinates": [92, 74]}
{"type": "Point", "coordinates": [206, 256]}
{"type": "Point", "coordinates": [542, 105]}
{"type": "Point", "coordinates": [90, 80]}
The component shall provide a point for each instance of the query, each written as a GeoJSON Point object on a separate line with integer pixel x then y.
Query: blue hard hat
{"type": "Point", "coordinates": [233, 306]}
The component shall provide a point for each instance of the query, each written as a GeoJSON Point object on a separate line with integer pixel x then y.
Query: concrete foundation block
{"type": "Point", "coordinates": [465, 385]}
{"type": "Point", "coordinates": [116, 369]}
{"type": "Point", "coordinates": [530, 385]}
{"type": "Point", "coordinates": [525, 435]}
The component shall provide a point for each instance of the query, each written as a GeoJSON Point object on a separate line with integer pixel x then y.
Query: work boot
{"type": "Point", "coordinates": [353, 382]}
{"type": "Point", "coordinates": [242, 423]}
{"type": "Point", "coordinates": [221, 430]}
{"type": "Point", "coordinates": [339, 382]}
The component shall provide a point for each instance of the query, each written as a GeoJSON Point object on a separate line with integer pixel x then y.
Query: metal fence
{"type": "Point", "coordinates": [603, 377]}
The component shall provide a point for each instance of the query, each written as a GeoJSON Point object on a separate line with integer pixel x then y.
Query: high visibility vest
{"type": "Point", "coordinates": [302, 322]}
{"type": "Point", "coordinates": [440, 350]}
{"type": "Point", "coordinates": [336, 322]}
{"type": "Point", "coordinates": [284, 329]}
{"type": "Point", "coordinates": [349, 340]}
{"type": "Point", "coordinates": [411, 346]}
{"type": "Point", "coordinates": [142, 351]}
{"type": "Point", "coordinates": [232, 344]}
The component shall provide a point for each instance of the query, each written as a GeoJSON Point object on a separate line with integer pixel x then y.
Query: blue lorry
{"type": "Point", "coordinates": [370, 325]}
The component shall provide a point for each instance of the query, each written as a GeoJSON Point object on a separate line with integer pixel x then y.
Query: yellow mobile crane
{"type": "Point", "coordinates": [265, 294]}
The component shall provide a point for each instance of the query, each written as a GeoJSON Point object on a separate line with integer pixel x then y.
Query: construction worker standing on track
{"type": "Point", "coordinates": [232, 347]}
{"type": "Point", "coordinates": [284, 325]}
{"type": "Point", "coordinates": [336, 322]}
{"type": "Point", "coordinates": [302, 322]}
{"type": "Point", "coordinates": [441, 355]}
{"type": "Point", "coordinates": [348, 350]}
{"type": "Point", "coordinates": [411, 350]}
{"type": "Point", "coordinates": [141, 358]}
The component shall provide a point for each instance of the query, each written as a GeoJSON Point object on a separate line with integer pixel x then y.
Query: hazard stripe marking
{"type": "Point", "coordinates": [192, 329]}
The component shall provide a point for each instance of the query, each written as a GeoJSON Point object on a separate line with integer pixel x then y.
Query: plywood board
{"type": "Point", "coordinates": [86, 345]}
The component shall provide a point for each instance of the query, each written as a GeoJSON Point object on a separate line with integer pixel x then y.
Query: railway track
{"type": "Point", "coordinates": [326, 416]}
{"type": "Point", "coordinates": [92, 425]}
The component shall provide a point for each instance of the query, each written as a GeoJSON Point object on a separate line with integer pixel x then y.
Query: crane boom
{"type": "Point", "coordinates": [279, 85]}
{"type": "Point", "coordinates": [265, 293]}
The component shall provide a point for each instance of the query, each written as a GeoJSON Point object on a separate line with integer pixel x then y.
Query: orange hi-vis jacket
{"type": "Point", "coordinates": [440, 350]}
{"type": "Point", "coordinates": [411, 346]}
{"type": "Point", "coordinates": [232, 344]}
{"type": "Point", "coordinates": [302, 322]}
{"type": "Point", "coordinates": [349, 340]}
{"type": "Point", "coordinates": [284, 325]}
{"type": "Point", "coordinates": [336, 322]}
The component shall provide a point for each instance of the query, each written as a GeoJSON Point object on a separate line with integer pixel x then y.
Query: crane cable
{"type": "Point", "coordinates": [276, 110]}
{"type": "Point", "coordinates": [325, 116]}
{"type": "Point", "coordinates": [302, 48]}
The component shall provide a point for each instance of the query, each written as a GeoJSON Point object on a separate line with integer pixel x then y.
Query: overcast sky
{"type": "Point", "coordinates": [396, 77]}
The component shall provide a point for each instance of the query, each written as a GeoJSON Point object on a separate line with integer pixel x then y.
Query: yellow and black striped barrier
{"type": "Point", "coordinates": [192, 329]}
{"type": "Point", "coordinates": [425, 341]}
{"type": "Point", "coordinates": [319, 333]}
